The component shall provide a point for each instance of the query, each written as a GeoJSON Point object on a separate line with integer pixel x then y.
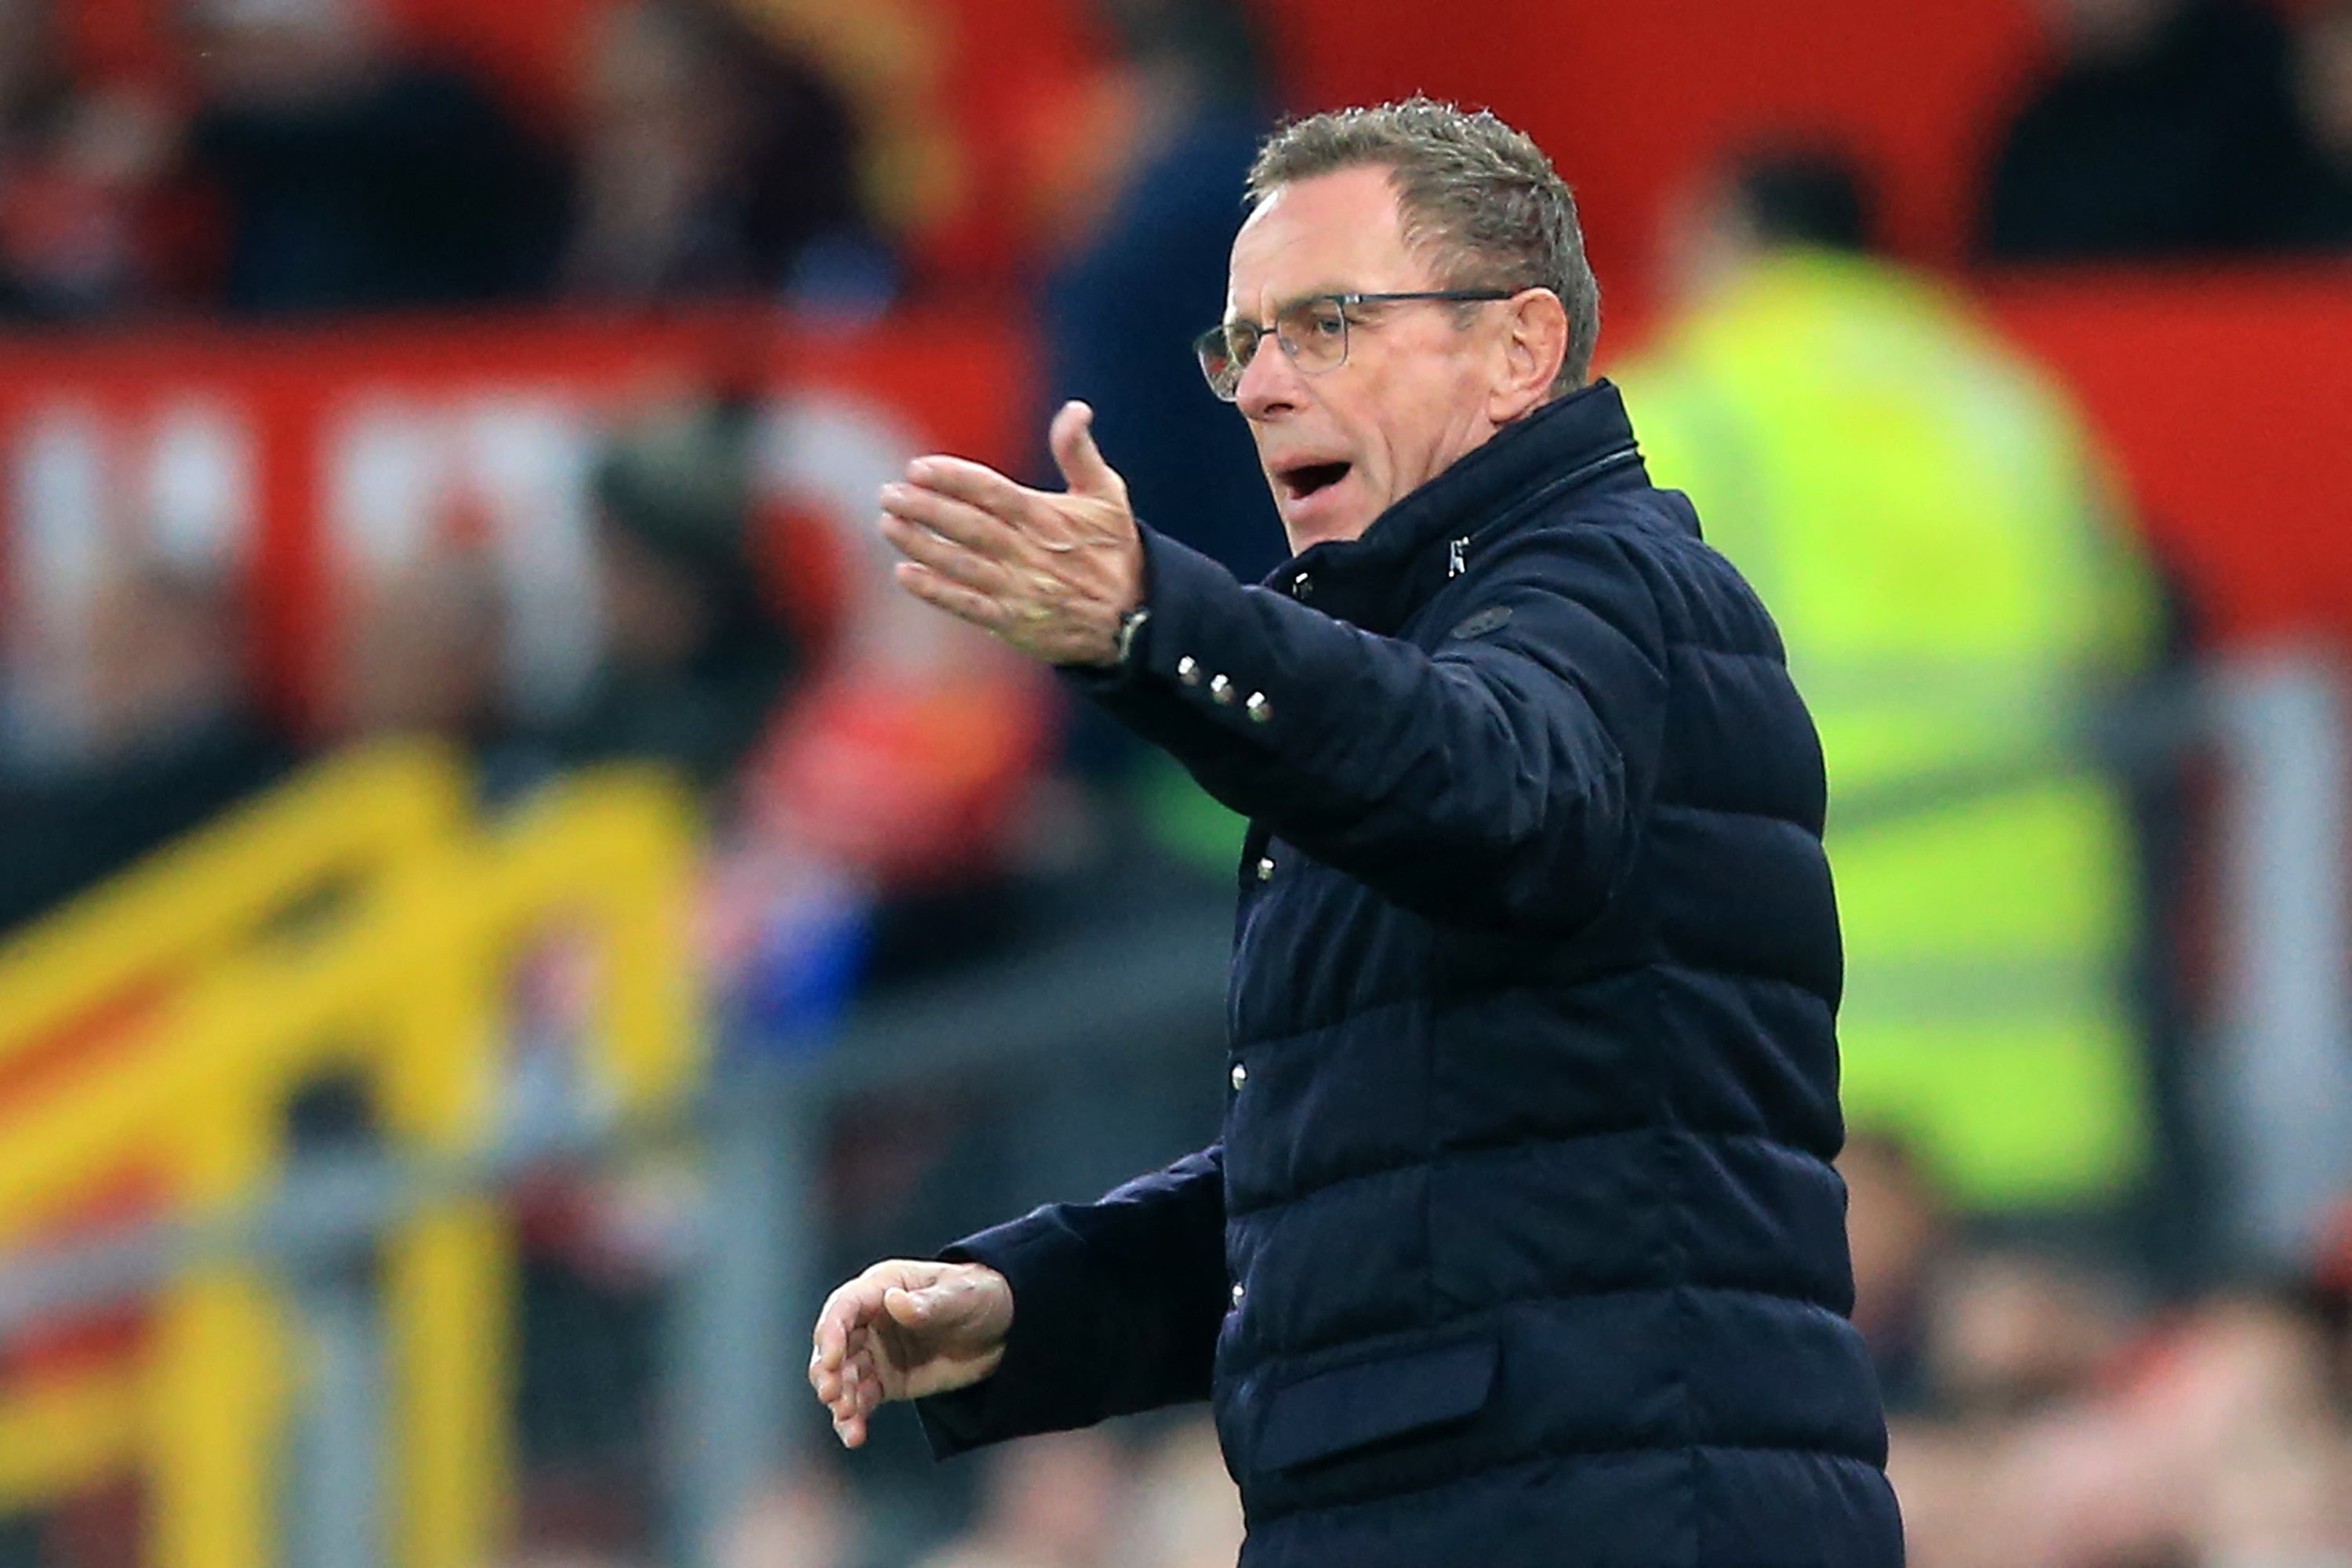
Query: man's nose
{"type": "Point", "coordinates": [1270, 383]}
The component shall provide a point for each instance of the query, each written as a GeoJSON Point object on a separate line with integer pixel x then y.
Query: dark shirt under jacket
{"type": "Point", "coordinates": [1522, 1245]}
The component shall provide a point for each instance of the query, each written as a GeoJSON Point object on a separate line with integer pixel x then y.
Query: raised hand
{"type": "Point", "coordinates": [905, 1329]}
{"type": "Point", "coordinates": [1050, 575]}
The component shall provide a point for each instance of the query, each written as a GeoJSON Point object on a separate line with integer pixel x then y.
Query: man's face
{"type": "Point", "coordinates": [1418, 388]}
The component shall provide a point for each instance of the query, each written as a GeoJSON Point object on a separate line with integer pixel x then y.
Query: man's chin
{"type": "Point", "coordinates": [1333, 513]}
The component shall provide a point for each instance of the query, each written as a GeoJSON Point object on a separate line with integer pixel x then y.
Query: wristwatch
{"type": "Point", "coordinates": [1130, 624]}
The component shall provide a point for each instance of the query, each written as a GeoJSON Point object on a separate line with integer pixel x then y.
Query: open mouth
{"type": "Point", "coordinates": [1308, 477]}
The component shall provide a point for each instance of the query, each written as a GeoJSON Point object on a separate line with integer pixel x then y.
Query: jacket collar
{"type": "Point", "coordinates": [1378, 579]}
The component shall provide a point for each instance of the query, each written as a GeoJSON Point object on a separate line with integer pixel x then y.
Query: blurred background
{"type": "Point", "coordinates": [504, 906]}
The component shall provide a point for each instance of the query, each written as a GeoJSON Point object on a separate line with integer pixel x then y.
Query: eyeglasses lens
{"type": "Point", "coordinates": [1315, 334]}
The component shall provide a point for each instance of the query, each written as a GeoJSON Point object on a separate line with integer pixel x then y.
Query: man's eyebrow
{"type": "Point", "coordinates": [1331, 291]}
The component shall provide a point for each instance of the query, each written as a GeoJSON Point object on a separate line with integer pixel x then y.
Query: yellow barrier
{"type": "Point", "coordinates": [64, 1433]}
{"type": "Point", "coordinates": [350, 820]}
{"type": "Point", "coordinates": [404, 985]}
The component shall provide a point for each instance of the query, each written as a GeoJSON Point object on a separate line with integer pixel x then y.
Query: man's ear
{"type": "Point", "coordinates": [1533, 347]}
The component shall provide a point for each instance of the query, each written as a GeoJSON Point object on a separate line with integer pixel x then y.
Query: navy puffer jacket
{"type": "Point", "coordinates": [1522, 1245]}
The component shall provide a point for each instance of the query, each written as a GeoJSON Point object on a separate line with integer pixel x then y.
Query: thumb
{"type": "Point", "coordinates": [1080, 460]}
{"type": "Point", "coordinates": [916, 1307]}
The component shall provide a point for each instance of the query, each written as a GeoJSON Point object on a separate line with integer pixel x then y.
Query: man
{"type": "Point", "coordinates": [1522, 1245]}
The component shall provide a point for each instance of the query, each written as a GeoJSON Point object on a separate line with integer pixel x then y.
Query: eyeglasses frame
{"type": "Point", "coordinates": [1214, 339]}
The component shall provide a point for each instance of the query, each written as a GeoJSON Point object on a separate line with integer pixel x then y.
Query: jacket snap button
{"type": "Point", "coordinates": [1266, 868]}
{"type": "Point", "coordinates": [1258, 708]}
{"type": "Point", "coordinates": [1302, 586]}
{"type": "Point", "coordinates": [1238, 1294]}
{"type": "Point", "coordinates": [1187, 670]}
{"type": "Point", "coordinates": [1240, 1075]}
{"type": "Point", "coordinates": [1221, 690]}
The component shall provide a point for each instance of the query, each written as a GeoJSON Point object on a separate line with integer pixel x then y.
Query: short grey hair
{"type": "Point", "coordinates": [1481, 195]}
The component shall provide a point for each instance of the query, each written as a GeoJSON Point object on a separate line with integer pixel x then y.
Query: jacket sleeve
{"type": "Point", "coordinates": [1495, 782]}
{"type": "Point", "coordinates": [1115, 1307]}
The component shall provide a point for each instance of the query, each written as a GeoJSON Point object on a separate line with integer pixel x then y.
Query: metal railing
{"type": "Point", "coordinates": [357, 924]}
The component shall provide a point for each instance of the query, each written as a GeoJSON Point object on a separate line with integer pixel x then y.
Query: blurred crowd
{"type": "Point", "coordinates": [2048, 1408]}
{"type": "Point", "coordinates": [1138, 1495]}
{"type": "Point", "coordinates": [303, 156]}
{"type": "Point", "coordinates": [2059, 1401]}
{"type": "Point", "coordinates": [304, 160]}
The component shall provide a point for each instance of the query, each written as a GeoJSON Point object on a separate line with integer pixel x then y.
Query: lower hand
{"type": "Point", "coordinates": [905, 1330]}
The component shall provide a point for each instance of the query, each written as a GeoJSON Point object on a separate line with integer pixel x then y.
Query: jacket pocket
{"type": "Point", "coordinates": [1350, 1407]}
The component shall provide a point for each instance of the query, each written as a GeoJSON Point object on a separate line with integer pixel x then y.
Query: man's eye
{"type": "Point", "coordinates": [1326, 322]}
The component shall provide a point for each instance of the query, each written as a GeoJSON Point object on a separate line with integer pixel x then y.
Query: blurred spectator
{"type": "Point", "coordinates": [2216, 1446]}
{"type": "Point", "coordinates": [2321, 213]}
{"type": "Point", "coordinates": [353, 176]}
{"type": "Point", "coordinates": [715, 164]}
{"type": "Point", "coordinates": [1923, 513]}
{"type": "Point", "coordinates": [2013, 1331]}
{"type": "Point", "coordinates": [75, 172]}
{"type": "Point", "coordinates": [425, 653]}
{"type": "Point", "coordinates": [1187, 1513]}
{"type": "Point", "coordinates": [1142, 202]}
{"type": "Point", "coordinates": [1148, 211]}
{"type": "Point", "coordinates": [2167, 129]}
{"type": "Point", "coordinates": [695, 659]}
{"type": "Point", "coordinates": [169, 741]}
{"type": "Point", "coordinates": [802, 1521]}
{"type": "Point", "coordinates": [1898, 1229]}
{"type": "Point", "coordinates": [1055, 1501]}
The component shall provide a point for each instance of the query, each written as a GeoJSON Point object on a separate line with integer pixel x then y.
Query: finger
{"type": "Point", "coordinates": [921, 1276]}
{"type": "Point", "coordinates": [831, 1336]}
{"type": "Point", "coordinates": [951, 517]}
{"type": "Point", "coordinates": [845, 1312]}
{"type": "Point", "coordinates": [1084, 467]}
{"type": "Point", "coordinates": [861, 1392]}
{"type": "Point", "coordinates": [830, 1382]}
{"type": "Point", "coordinates": [977, 484]}
{"type": "Point", "coordinates": [964, 604]}
{"type": "Point", "coordinates": [838, 1328]}
{"type": "Point", "coordinates": [832, 1379]}
{"type": "Point", "coordinates": [937, 1305]}
{"type": "Point", "coordinates": [945, 557]}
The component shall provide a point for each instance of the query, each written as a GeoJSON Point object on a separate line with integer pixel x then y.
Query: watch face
{"type": "Point", "coordinates": [1128, 625]}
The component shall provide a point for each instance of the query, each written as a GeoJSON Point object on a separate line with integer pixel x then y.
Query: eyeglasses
{"type": "Point", "coordinates": [1313, 332]}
